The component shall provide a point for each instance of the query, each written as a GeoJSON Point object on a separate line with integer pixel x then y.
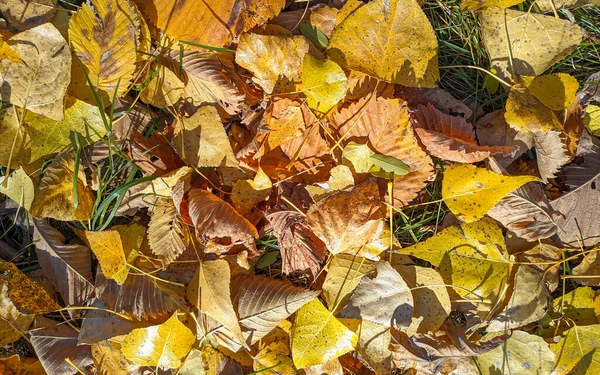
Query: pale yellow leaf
{"type": "Point", "coordinates": [470, 192]}
{"type": "Point", "coordinates": [248, 193]}
{"type": "Point", "coordinates": [388, 39]}
{"type": "Point", "coordinates": [317, 336]}
{"type": "Point", "coordinates": [19, 188]}
{"type": "Point", "coordinates": [323, 82]}
{"type": "Point", "coordinates": [15, 143]}
{"type": "Point", "coordinates": [274, 359]}
{"type": "Point", "coordinates": [358, 156]}
{"type": "Point", "coordinates": [163, 345]}
{"type": "Point", "coordinates": [525, 113]}
{"type": "Point", "coordinates": [164, 90]}
{"type": "Point", "coordinates": [578, 345]}
{"type": "Point", "coordinates": [343, 276]}
{"type": "Point", "coordinates": [25, 14]}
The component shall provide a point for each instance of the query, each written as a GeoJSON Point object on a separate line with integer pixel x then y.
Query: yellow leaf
{"type": "Point", "coordinates": [201, 140]}
{"type": "Point", "coordinates": [19, 188]}
{"type": "Point", "coordinates": [323, 82]}
{"type": "Point", "coordinates": [104, 36]}
{"type": "Point", "coordinates": [15, 143]}
{"type": "Point", "coordinates": [271, 58]}
{"type": "Point", "coordinates": [164, 90]}
{"type": "Point", "coordinates": [110, 360]}
{"type": "Point", "coordinates": [592, 119]}
{"type": "Point", "coordinates": [550, 5]}
{"type": "Point", "coordinates": [317, 336]}
{"type": "Point", "coordinates": [274, 359]}
{"type": "Point", "coordinates": [27, 296]}
{"type": "Point", "coordinates": [484, 4]}
{"type": "Point", "coordinates": [470, 192]}
{"type": "Point", "coordinates": [163, 345]}
{"type": "Point", "coordinates": [25, 14]}
{"type": "Point", "coordinates": [285, 120]}
{"type": "Point", "coordinates": [525, 113]}
{"type": "Point", "coordinates": [132, 238]}
{"type": "Point", "coordinates": [577, 306]}
{"type": "Point", "coordinates": [248, 193]}
{"type": "Point", "coordinates": [389, 39]}
{"type": "Point", "coordinates": [472, 257]}
{"type": "Point", "coordinates": [358, 156]}
{"type": "Point", "coordinates": [13, 323]}
{"type": "Point", "coordinates": [578, 346]}
{"type": "Point", "coordinates": [54, 196]}
{"type": "Point", "coordinates": [209, 292]}
{"type": "Point", "coordinates": [46, 58]}
{"type": "Point", "coordinates": [521, 354]}
{"type": "Point", "coordinates": [373, 342]}
{"type": "Point", "coordinates": [50, 136]}
{"type": "Point", "coordinates": [532, 41]}
{"type": "Point", "coordinates": [108, 248]}
{"type": "Point", "coordinates": [555, 91]}
{"type": "Point", "coordinates": [6, 52]}
{"type": "Point", "coordinates": [343, 276]}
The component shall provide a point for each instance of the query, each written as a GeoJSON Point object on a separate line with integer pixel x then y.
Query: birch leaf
{"type": "Point", "coordinates": [104, 36]}
{"type": "Point", "coordinates": [40, 83]}
{"type": "Point", "coordinates": [379, 39]}
{"type": "Point", "coordinates": [470, 192]}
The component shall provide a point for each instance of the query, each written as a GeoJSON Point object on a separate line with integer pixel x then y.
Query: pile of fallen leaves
{"type": "Point", "coordinates": [211, 188]}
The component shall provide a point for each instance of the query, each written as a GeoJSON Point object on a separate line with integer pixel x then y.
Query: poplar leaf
{"type": "Point", "coordinates": [19, 188]}
{"type": "Point", "coordinates": [323, 82]}
{"type": "Point", "coordinates": [108, 248]}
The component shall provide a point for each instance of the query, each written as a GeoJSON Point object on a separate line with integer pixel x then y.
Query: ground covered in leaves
{"type": "Point", "coordinates": [275, 187]}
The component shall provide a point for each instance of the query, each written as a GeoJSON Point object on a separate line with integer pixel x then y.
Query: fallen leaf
{"type": "Point", "coordinates": [576, 346]}
{"type": "Point", "coordinates": [271, 58]}
{"type": "Point", "coordinates": [323, 82]}
{"type": "Point", "coordinates": [472, 257]}
{"type": "Point", "coordinates": [15, 143]}
{"type": "Point", "coordinates": [589, 267]}
{"type": "Point", "coordinates": [248, 193]}
{"type": "Point", "coordinates": [23, 365]}
{"type": "Point", "coordinates": [347, 219]}
{"type": "Point", "coordinates": [592, 119]}
{"type": "Point", "coordinates": [522, 354]}
{"type": "Point", "coordinates": [451, 137]}
{"type": "Point", "coordinates": [285, 121]}
{"type": "Point", "coordinates": [470, 192]}
{"type": "Point", "coordinates": [13, 323]}
{"type": "Point", "coordinates": [18, 187]}
{"type": "Point", "coordinates": [507, 32]}
{"type": "Point", "coordinates": [25, 14]}
{"type": "Point", "coordinates": [109, 359]}
{"type": "Point", "coordinates": [358, 156]}
{"type": "Point", "coordinates": [201, 140]}
{"type": "Point", "coordinates": [317, 336]}
{"type": "Point", "coordinates": [108, 248]}
{"type": "Point", "coordinates": [105, 36]}
{"type": "Point", "coordinates": [483, 4]}
{"type": "Point", "coordinates": [577, 306]}
{"type": "Point", "coordinates": [165, 232]}
{"type": "Point", "coordinates": [344, 274]}
{"type": "Point", "coordinates": [555, 91]}
{"type": "Point", "coordinates": [46, 58]}
{"type": "Point", "coordinates": [384, 299]}
{"type": "Point", "coordinates": [274, 359]}
{"type": "Point", "coordinates": [384, 125]}
{"type": "Point", "coordinates": [162, 345]}
{"type": "Point", "coordinates": [525, 113]}
{"type": "Point", "coordinates": [54, 196]}
{"type": "Point", "coordinates": [363, 41]}
{"type": "Point", "coordinates": [6, 52]}
{"type": "Point", "coordinates": [163, 90]}
{"type": "Point", "coordinates": [68, 267]}
{"type": "Point", "coordinates": [551, 153]}
{"type": "Point", "coordinates": [28, 296]}
{"type": "Point", "coordinates": [209, 292]}
{"type": "Point", "coordinates": [216, 219]}
{"type": "Point", "coordinates": [548, 5]}
{"type": "Point", "coordinates": [373, 342]}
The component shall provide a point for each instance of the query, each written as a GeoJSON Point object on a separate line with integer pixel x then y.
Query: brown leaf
{"type": "Point", "coordinates": [493, 130]}
{"type": "Point", "coordinates": [385, 125]}
{"type": "Point", "coordinates": [551, 153]}
{"type": "Point", "coordinates": [301, 250]}
{"type": "Point", "coordinates": [56, 343]}
{"type": "Point", "coordinates": [214, 218]}
{"type": "Point", "coordinates": [69, 267]}
{"type": "Point", "coordinates": [27, 296]}
{"type": "Point", "coordinates": [451, 137]}
{"type": "Point", "coordinates": [348, 218]}
{"type": "Point", "coordinates": [165, 232]}
{"type": "Point", "coordinates": [436, 96]}
{"type": "Point", "coordinates": [589, 267]}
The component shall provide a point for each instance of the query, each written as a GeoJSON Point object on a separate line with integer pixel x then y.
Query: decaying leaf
{"type": "Point", "coordinates": [25, 14]}
{"type": "Point", "coordinates": [317, 336]}
{"type": "Point", "coordinates": [13, 323]}
{"type": "Point", "coordinates": [105, 36]}
{"type": "Point", "coordinates": [470, 192]}
{"type": "Point", "coordinates": [248, 193]}
{"type": "Point", "coordinates": [163, 345]}
{"type": "Point", "coordinates": [46, 58]}
{"type": "Point", "coordinates": [525, 113]}
{"type": "Point", "coordinates": [551, 153]}
{"type": "Point", "coordinates": [377, 39]}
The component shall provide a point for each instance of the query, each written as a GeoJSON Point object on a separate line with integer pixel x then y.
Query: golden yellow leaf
{"type": "Point", "coordinates": [164, 90]}
{"type": "Point", "coordinates": [317, 336]}
{"type": "Point", "coordinates": [470, 192]}
{"type": "Point", "coordinates": [54, 196]}
{"type": "Point", "coordinates": [26, 365]}
{"type": "Point", "coordinates": [19, 188]}
{"type": "Point", "coordinates": [323, 82]}
{"type": "Point", "coordinates": [201, 140]}
{"type": "Point", "coordinates": [132, 238]}
{"type": "Point", "coordinates": [13, 323]}
{"type": "Point", "coordinates": [163, 345]}
{"type": "Point", "coordinates": [549, 5]}
{"type": "Point", "coordinates": [285, 119]}
{"type": "Point", "coordinates": [6, 52]}
{"type": "Point", "coordinates": [271, 58]}
{"type": "Point", "coordinates": [532, 41]}
{"type": "Point", "coordinates": [15, 143]}
{"type": "Point", "coordinates": [592, 119]}
{"type": "Point", "coordinates": [577, 306]}
{"type": "Point", "coordinates": [525, 113]}
{"type": "Point", "coordinates": [109, 359]}
{"type": "Point", "coordinates": [219, 20]}
{"type": "Point", "coordinates": [209, 292]}
{"type": "Point", "coordinates": [555, 91]}
{"type": "Point", "coordinates": [50, 136]}
{"type": "Point", "coordinates": [27, 296]}
{"type": "Point", "coordinates": [358, 156]}
{"type": "Point", "coordinates": [343, 276]}
{"type": "Point", "coordinates": [484, 4]}
{"type": "Point", "coordinates": [472, 257]}
{"type": "Point", "coordinates": [248, 193]}
{"type": "Point", "coordinates": [105, 35]}
{"type": "Point", "coordinates": [390, 40]}
{"type": "Point", "coordinates": [274, 359]}
{"type": "Point", "coordinates": [46, 58]}
{"type": "Point", "coordinates": [108, 248]}
{"type": "Point", "coordinates": [578, 345]}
